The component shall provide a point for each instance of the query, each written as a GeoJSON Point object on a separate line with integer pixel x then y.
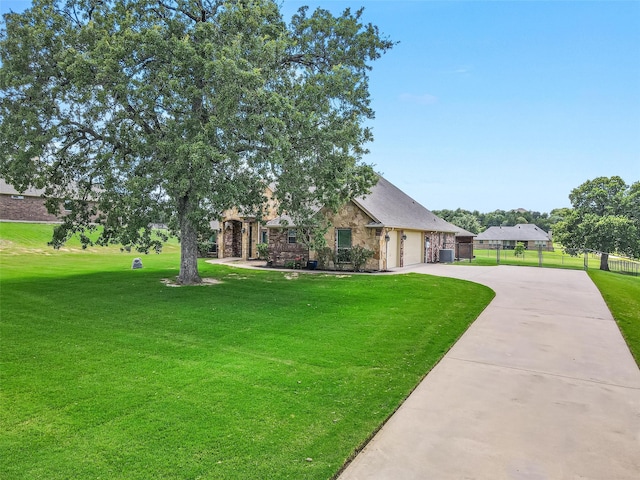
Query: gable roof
{"type": "Point", "coordinates": [523, 232]}
{"type": "Point", "coordinates": [461, 232]}
{"type": "Point", "coordinates": [390, 207]}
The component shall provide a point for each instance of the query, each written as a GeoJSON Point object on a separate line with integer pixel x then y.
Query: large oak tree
{"type": "Point", "coordinates": [139, 111]}
{"type": "Point", "coordinates": [605, 218]}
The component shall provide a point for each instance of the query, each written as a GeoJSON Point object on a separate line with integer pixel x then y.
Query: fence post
{"type": "Point", "coordinates": [498, 254]}
{"type": "Point", "coordinates": [539, 255]}
{"type": "Point", "coordinates": [586, 259]}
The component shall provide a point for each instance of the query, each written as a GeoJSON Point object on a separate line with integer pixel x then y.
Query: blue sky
{"type": "Point", "coordinates": [500, 104]}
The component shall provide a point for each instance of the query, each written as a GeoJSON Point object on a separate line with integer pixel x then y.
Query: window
{"type": "Point", "coordinates": [291, 236]}
{"type": "Point", "coordinates": [68, 205]}
{"type": "Point", "coordinates": [343, 244]}
{"type": "Point", "coordinates": [17, 197]}
{"type": "Point", "coordinates": [263, 237]}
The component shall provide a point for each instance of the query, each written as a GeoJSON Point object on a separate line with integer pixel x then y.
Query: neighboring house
{"type": "Point", "coordinates": [25, 206]}
{"type": "Point", "coordinates": [395, 227]}
{"type": "Point", "coordinates": [506, 238]}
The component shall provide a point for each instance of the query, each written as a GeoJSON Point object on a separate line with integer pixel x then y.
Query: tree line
{"type": "Point", "coordinates": [604, 217]}
{"type": "Point", "coordinates": [477, 222]}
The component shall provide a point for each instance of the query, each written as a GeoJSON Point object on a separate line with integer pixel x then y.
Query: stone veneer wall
{"type": "Point", "coordinates": [281, 252]}
{"type": "Point", "coordinates": [352, 217]}
{"type": "Point", "coordinates": [438, 241]}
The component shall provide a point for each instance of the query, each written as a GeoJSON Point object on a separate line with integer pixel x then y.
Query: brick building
{"type": "Point", "coordinates": [25, 206]}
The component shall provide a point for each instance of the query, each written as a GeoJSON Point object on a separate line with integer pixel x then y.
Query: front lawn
{"type": "Point", "coordinates": [622, 294]}
{"type": "Point", "coordinates": [106, 372]}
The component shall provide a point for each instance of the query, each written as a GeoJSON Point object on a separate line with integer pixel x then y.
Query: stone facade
{"type": "Point", "coordinates": [354, 218]}
{"type": "Point", "coordinates": [412, 245]}
{"type": "Point", "coordinates": [240, 232]}
{"type": "Point", "coordinates": [281, 252]}
{"type": "Point", "coordinates": [438, 241]}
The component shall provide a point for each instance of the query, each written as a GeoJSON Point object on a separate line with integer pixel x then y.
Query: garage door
{"type": "Point", "coordinates": [393, 259]}
{"type": "Point", "coordinates": [413, 248]}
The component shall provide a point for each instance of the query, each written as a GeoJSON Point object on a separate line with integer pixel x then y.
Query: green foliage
{"type": "Point", "coordinates": [358, 256]}
{"type": "Point", "coordinates": [263, 251]}
{"type": "Point", "coordinates": [518, 250]}
{"type": "Point", "coordinates": [324, 256]}
{"type": "Point", "coordinates": [108, 373]}
{"type": "Point", "coordinates": [605, 217]}
{"type": "Point", "coordinates": [622, 294]}
{"type": "Point", "coordinates": [467, 221]}
{"type": "Point", "coordinates": [477, 222]}
{"type": "Point", "coordinates": [137, 111]}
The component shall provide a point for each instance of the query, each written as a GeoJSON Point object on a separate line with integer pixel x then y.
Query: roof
{"type": "Point", "coordinates": [523, 232]}
{"type": "Point", "coordinates": [390, 207]}
{"type": "Point", "coordinates": [6, 189]}
{"type": "Point", "coordinates": [464, 233]}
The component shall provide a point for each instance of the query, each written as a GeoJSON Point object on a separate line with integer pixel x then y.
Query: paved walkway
{"type": "Point", "coordinates": [541, 386]}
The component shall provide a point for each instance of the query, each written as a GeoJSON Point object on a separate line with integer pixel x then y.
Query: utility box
{"type": "Point", "coordinates": [447, 255]}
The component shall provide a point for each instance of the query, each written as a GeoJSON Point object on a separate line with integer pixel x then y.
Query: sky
{"type": "Point", "coordinates": [486, 105]}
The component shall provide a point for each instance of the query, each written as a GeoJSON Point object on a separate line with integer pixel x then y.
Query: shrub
{"type": "Point", "coordinates": [263, 251]}
{"type": "Point", "coordinates": [358, 256]}
{"type": "Point", "coordinates": [324, 256]}
{"type": "Point", "coordinates": [518, 251]}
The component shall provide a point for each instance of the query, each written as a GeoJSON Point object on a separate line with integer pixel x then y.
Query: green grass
{"type": "Point", "coordinates": [108, 373]}
{"type": "Point", "coordinates": [555, 259]}
{"type": "Point", "coordinates": [622, 294]}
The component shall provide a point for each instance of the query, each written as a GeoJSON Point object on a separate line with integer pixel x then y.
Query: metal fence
{"type": "Point", "coordinates": [624, 265]}
{"type": "Point", "coordinates": [583, 259]}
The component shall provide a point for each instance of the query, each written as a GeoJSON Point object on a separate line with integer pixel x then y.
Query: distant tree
{"type": "Point", "coordinates": [605, 217]}
{"type": "Point", "coordinates": [494, 219]}
{"type": "Point", "coordinates": [467, 221]}
{"type": "Point", "coordinates": [462, 218]}
{"type": "Point", "coordinates": [180, 109]}
{"type": "Point", "coordinates": [558, 214]}
{"type": "Point", "coordinates": [518, 250]}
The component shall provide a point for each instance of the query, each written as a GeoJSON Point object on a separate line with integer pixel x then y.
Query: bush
{"type": "Point", "coordinates": [518, 251]}
{"type": "Point", "coordinates": [324, 256]}
{"type": "Point", "coordinates": [358, 256]}
{"type": "Point", "coordinates": [263, 251]}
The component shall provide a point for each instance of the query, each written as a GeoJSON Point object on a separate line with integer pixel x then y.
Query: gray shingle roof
{"type": "Point", "coordinates": [390, 207]}
{"type": "Point", "coordinates": [7, 189]}
{"type": "Point", "coordinates": [523, 232]}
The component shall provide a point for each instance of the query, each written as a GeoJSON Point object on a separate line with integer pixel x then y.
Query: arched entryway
{"type": "Point", "coordinates": [232, 237]}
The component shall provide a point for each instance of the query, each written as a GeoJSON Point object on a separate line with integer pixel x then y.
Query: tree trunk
{"type": "Point", "coordinates": [188, 245]}
{"type": "Point", "coordinates": [604, 262]}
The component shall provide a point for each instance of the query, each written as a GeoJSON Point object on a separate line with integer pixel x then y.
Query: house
{"type": "Point", "coordinates": [387, 221]}
{"type": "Point", "coordinates": [506, 238]}
{"type": "Point", "coordinates": [237, 233]}
{"type": "Point", "coordinates": [25, 206]}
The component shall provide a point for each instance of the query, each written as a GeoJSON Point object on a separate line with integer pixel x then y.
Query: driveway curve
{"type": "Point", "coordinates": [541, 386]}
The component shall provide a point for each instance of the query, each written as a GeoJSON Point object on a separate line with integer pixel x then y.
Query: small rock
{"type": "Point", "coordinates": [308, 459]}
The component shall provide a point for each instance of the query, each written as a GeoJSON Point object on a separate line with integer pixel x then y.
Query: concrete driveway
{"type": "Point", "coordinates": [541, 386]}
